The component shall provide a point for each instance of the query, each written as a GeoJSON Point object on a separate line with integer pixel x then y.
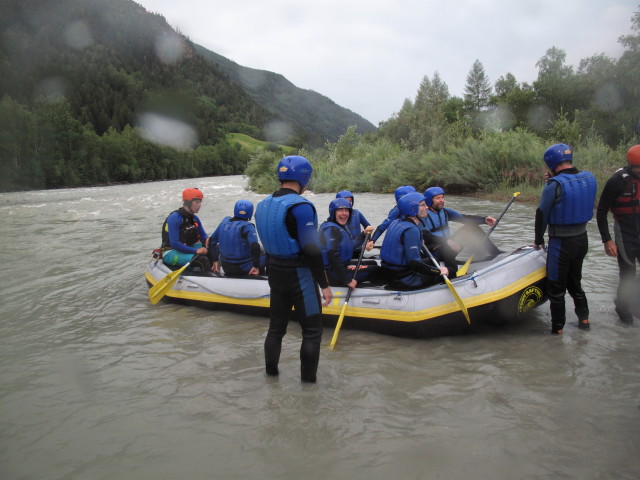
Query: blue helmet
{"type": "Point", "coordinates": [346, 194]}
{"type": "Point", "coordinates": [400, 191]}
{"type": "Point", "coordinates": [409, 204]}
{"type": "Point", "coordinates": [243, 209]}
{"type": "Point", "coordinates": [296, 168]}
{"type": "Point", "coordinates": [431, 192]}
{"type": "Point", "coordinates": [336, 204]}
{"type": "Point", "coordinates": [556, 154]}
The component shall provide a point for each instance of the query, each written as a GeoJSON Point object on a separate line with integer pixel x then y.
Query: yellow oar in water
{"type": "Point", "coordinates": [346, 300]}
{"type": "Point", "coordinates": [452, 288]}
{"type": "Point", "coordinates": [463, 269]}
{"type": "Point", "coordinates": [161, 288]}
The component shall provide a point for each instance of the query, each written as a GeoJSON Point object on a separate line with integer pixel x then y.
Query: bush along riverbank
{"type": "Point", "coordinates": [495, 164]}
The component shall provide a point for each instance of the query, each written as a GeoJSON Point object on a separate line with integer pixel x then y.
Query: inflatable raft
{"type": "Point", "coordinates": [495, 291]}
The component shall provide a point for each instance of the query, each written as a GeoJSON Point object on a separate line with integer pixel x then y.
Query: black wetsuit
{"type": "Point", "coordinates": [627, 235]}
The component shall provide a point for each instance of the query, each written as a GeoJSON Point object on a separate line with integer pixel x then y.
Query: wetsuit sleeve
{"type": "Point", "coordinates": [213, 245]}
{"type": "Point", "coordinates": [173, 225]}
{"type": "Point", "coordinates": [456, 216]}
{"type": "Point", "coordinates": [612, 189]}
{"type": "Point", "coordinates": [306, 228]}
{"type": "Point", "coordinates": [394, 213]}
{"type": "Point", "coordinates": [363, 221]}
{"type": "Point", "coordinates": [252, 238]}
{"type": "Point", "coordinates": [543, 211]}
{"type": "Point", "coordinates": [412, 244]}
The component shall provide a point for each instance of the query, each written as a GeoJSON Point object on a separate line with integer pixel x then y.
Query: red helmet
{"type": "Point", "coordinates": [633, 155]}
{"type": "Point", "coordinates": [191, 194]}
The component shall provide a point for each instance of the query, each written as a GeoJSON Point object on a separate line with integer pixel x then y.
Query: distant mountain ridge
{"type": "Point", "coordinates": [311, 110]}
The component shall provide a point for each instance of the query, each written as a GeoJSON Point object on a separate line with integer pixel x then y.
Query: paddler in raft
{"type": "Point", "coordinates": [401, 256]}
{"type": "Point", "coordinates": [394, 213]}
{"type": "Point", "coordinates": [337, 247]}
{"type": "Point", "coordinates": [236, 242]}
{"type": "Point", "coordinates": [184, 239]}
{"type": "Point", "coordinates": [357, 222]}
{"type": "Point", "coordinates": [436, 228]}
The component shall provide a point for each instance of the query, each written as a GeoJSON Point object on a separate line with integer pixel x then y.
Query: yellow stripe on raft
{"type": "Point", "coordinates": [382, 314]}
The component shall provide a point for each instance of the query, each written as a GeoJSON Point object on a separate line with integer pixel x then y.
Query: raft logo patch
{"type": "Point", "coordinates": [530, 297]}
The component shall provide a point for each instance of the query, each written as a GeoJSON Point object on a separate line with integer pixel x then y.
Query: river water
{"type": "Point", "coordinates": [97, 383]}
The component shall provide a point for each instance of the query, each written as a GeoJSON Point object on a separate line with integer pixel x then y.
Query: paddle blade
{"type": "Point", "coordinates": [463, 269]}
{"type": "Point", "coordinates": [458, 299]}
{"type": "Point", "coordinates": [161, 288]}
{"type": "Point", "coordinates": [338, 325]}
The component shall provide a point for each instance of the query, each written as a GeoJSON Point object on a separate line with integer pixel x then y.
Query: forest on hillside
{"type": "Point", "coordinates": [95, 92]}
{"type": "Point", "coordinates": [492, 139]}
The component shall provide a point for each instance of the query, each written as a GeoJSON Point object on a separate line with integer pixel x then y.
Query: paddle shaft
{"type": "Point", "coordinates": [513, 199]}
{"type": "Point", "coordinates": [451, 287]}
{"type": "Point", "coordinates": [346, 300]}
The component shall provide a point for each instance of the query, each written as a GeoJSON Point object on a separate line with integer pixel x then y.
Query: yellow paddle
{"type": "Point", "coordinates": [161, 288]}
{"type": "Point", "coordinates": [346, 300]}
{"type": "Point", "coordinates": [452, 288]}
{"type": "Point", "coordinates": [463, 269]}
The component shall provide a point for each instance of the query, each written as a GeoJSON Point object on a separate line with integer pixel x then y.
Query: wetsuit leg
{"type": "Point", "coordinates": [443, 252]}
{"type": "Point", "coordinates": [579, 248]}
{"type": "Point", "coordinates": [279, 309]}
{"type": "Point", "coordinates": [556, 282]}
{"type": "Point", "coordinates": [294, 287]}
{"type": "Point", "coordinates": [627, 293]}
{"type": "Point", "coordinates": [308, 312]}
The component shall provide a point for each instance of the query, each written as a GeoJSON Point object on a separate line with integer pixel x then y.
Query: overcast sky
{"type": "Point", "coordinates": [369, 55]}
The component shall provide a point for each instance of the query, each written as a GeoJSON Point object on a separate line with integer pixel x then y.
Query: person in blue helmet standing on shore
{"type": "Point", "coordinates": [566, 205]}
{"type": "Point", "coordinates": [288, 228]}
{"type": "Point", "coordinates": [401, 256]}
{"type": "Point", "coordinates": [337, 247]}
{"type": "Point", "coordinates": [357, 222]}
{"type": "Point", "coordinates": [237, 243]}
{"type": "Point", "coordinates": [437, 231]}
{"type": "Point", "coordinates": [394, 213]}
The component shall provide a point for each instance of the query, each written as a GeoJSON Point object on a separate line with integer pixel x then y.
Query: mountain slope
{"type": "Point", "coordinates": [311, 110]}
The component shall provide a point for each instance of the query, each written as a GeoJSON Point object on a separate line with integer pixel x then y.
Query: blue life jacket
{"type": "Point", "coordinates": [392, 252]}
{"type": "Point", "coordinates": [578, 196]}
{"type": "Point", "coordinates": [345, 244]}
{"type": "Point", "coordinates": [354, 225]}
{"type": "Point", "coordinates": [437, 223]}
{"type": "Point", "coordinates": [271, 214]}
{"type": "Point", "coordinates": [232, 241]}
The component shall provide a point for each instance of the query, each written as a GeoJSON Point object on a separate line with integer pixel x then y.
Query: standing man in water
{"type": "Point", "coordinates": [566, 205]}
{"type": "Point", "coordinates": [288, 228]}
{"type": "Point", "coordinates": [621, 195]}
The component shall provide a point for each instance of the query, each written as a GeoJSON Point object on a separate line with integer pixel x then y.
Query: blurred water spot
{"type": "Point", "coordinates": [607, 98]}
{"type": "Point", "coordinates": [499, 119]}
{"type": "Point", "coordinates": [164, 130]}
{"type": "Point", "coordinates": [77, 35]}
{"type": "Point", "coordinates": [53, 89]}
{"type": "Point", "coordinates": [169, 48]}
{"type": "Point", "coordinates": [540, 118]}
{"type": "Point", "coordinates": [278, 132]}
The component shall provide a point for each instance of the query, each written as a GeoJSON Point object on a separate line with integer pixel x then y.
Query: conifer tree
{"type": "Point", "coordinates": [477, 90]}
